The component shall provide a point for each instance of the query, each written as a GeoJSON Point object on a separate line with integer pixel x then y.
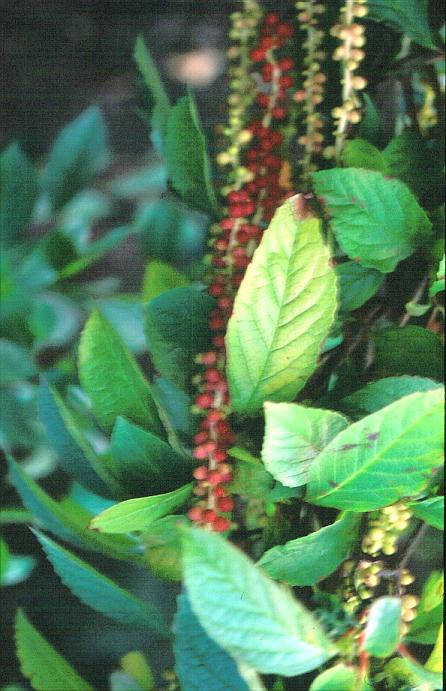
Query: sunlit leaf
{"type": "Point", "coordinates": [383, 629]}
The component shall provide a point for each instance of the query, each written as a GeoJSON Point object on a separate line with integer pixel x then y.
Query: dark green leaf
{"type": "Point", "coordinates": [359, 153]}
{"type": "Point", "coordinates": [138, 514]}
{"type": "Point", "coordinates": [177, 329]}
{"type": "Point", "coordinates": [18, 192]}
{"type": "Point", "coordinates": [163, 553]}
{"type": "Point", "coordinates": [294, 436]}
{"type": "Point", "coordinates": [382, 458]}
{"type": "Point", "coordinates": [112, 379]}
{"type": "Point", "coordinates": [54, 320]}
{"type": "Point", "coordinates": [45, 668]}
{"type": "Point", "coordinates": [357, 285]}
{"type": "Point", "coordinates": [378, 394]}
{"type": "Point", "coordinates": [438, 285]}
{"type": "Point", "coordinates": [69, 525]}
{"type": "Point", "coordinates": [376, 221]}
{"type": "Point", "coordinates": [430, 510]}
{"type": "Point", "coordinates": [98, 591]}
{"type": "Point", "coordinates": [125, 313]}
{"type": "Point", "coordinates": [370, 127]}
{"type": "Point", "coordinates": [382, 631]}
{"type": "Point", "coordinates": [419, 164]}
{"type": "Point", "coordinates": [282, 313]}
{"type": "Point", "coordinates": [143, 463]}
{"type": "Point", "coordinates": [153, 82]}
{"type": "Point", "coordinates": [16, 362]}
{"type": "Point", "coordinates": [177, 405]}
{"type": "Point", "coordinates": [310, 559]}
{"type": "Point", "coordinates": [254, 619]}
{"type": "Point", "coordinates": [408, 350]}
{"type": "Point", "coordinates": [199, 662]}
{"type": "Point", "coordinates": [78, 153]}
{"type": "Point", "coordinates": [74, 452]}
{"type": "Point", "coordinates": [187, 158]}
{"type": "Point", "coordinates": [96, 250]}
{"type": "Point", "coordinates": [407, 16]}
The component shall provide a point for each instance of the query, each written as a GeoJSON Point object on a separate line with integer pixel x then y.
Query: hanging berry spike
{"type": "Point", "coordinates": [251, 167]}
{"type": "Point", "coordinates": [312, 94]}
{"type": "Point", "coordinates": [350, 53]}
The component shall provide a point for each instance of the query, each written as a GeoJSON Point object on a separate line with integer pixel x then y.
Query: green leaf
{"type": "Point", "coordinates": [359, 153]}
{"type": "Point", "coordinates": [45, 668]}
{"type": "Point", "coordinates": [69, 525]}
{"type": "Point", "coordinates": [435, 661]}
{"type": "Point", "coordinates": [418, 163]}
{"type": "Point", "coordinates": [16, 362]}
{"type": "Point", "coordinates": [163, 553]}
{"type": "Point", "coordinates": [378, 394]}
{"type": "Point", "coordinates": [177, 329]}
{"type": "Point", "coordinates": [430, 510]}
{"type": "Point", "coordinates": [382, 458]}
{"type": "Point", "coordinates": [283, 311]}
{"type": "Point", "coordinates": [138, 514]}
{"type": "Point", "coordinates": [153, 82]}
{"type": "Point", "coordinates": [14, 568]}
{"type": "Point", "coordinates": [159, 277]}
{"type": "Point", "coordinates": [255, 620]}
{"type": "Point", "coordinates": [142, 463]}
{"type": "Point", "coordinates": [78, 153]}
{"type": "Point", "coordinates": [338, 677]}
{"type": "Point", "coordinates": [424, 629]}
{"type": "Point", "coordinates": [438, 285]}
{"type": "Point", "coordinates": [99, 592]}
{"type": "Point", "coordinates": [370, 127]}
{"type": "Point", "coordinates": [96, 250]}
{"type": "Point", "coordinates": [402, 673]}
{"type": "Point", "coordinates": [357, 284]}
{"type": "Point", "coordinates": [74, 452]}
{"type": "Point", "coordinates": [18, 192]}
{"type": "Point", "coordinates": [294, 436]}
{"type": "Point", "coordinates": [126, 315]}
{"type": "Point", "coordinates": [187, 159]}
{"type": "Point", "coordinates": [310, 559]}
{"type": "Point", "coordinates": [407, 16]}
{"type": "Point", "coordinates": [136, 666]}
{"type": "Point", "coordinates": [112, 379]}
{"type": "Point", "coordinates": [376, 221]}
{"type": "Point", "coordinates": [408, 350]}
{"type": "Point", "coordinates": [199, 662]}
{"type": "Point", "coordinates": [382, 631]}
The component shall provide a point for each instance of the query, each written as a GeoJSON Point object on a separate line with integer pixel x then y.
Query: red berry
{"type": "Point", "coordinates": [286, 64]}
{"type": "Point", "coordinates": [267, 42]}
{"type": "Point", "coordinates": [204, 400]}
{"type": "Point", "coordinates": [218, 341]}
{"type": "Point", "coordinates": [225, 504]}
{"type": "Point", "coordinates": [212, 375]}
{"type": "Point", "coordinates": [214, 416]}
{"type": "Point", "coordinates": [286, 81]}
{"type": "Point", "coordinates": [226, 223]}
{"type": "Point", "coordinates": [201, 472]}
{"type": "Point", "coordinates": [285, 30]}
{"type": "Point", "coordinates": [201, 438]}
{"type": "Point", "coordinates": [257, 55]}
{"type": "Point", "coordinates": [225, 302]}
{"type": "Point", "coordinates": [217, 324]}
{"type": "Point", "coordinates": [215, 289]}
{"type": "Point", "coordinates": [209, 516]}
{"type": "Point", "coordinates": [220, 456]}
{"type": "Point", "coordinates": [219, 491]}
{"type": "Point", "coordinates": [195, 513]}
{"type": "Point", "coordinates": [214, 477]}
{"type": "Point", "coordinates": [262, 100]}
{"type": "Point", "coordinates": [271, 18]}
{"type": "Point", "coordinates": [221, 524]}
{"type": "Point", "coordinates": [267, 72]}
{"type": "Point", "coordinates": [278, 113]}
{"type": "Point", "coordinates": [209, 358]}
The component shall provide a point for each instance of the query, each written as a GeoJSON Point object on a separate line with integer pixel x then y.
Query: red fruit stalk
{"type": "Point", "coordinates": [253, 169]}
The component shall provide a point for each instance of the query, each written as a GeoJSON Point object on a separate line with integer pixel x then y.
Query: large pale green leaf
{"type": "Point", "coordinates": [382, 458]}
{"type": "Point", "coordinates": [310, 559]}
{"type": "Point", "coordinates": [99, 592]}
{"type": "Point", "coordinates": [407, 16]}
{"type": "Point", "coordinates": [199, 662]}
{"type": "Point", "coordinates": [376, 221]}
{"type": "Point", "coordinates": [112, 379]}
{"type": "Point", "coordinates": [45, 668]}
{"type": "Point", "coordinates": [408, 350]}
{"type": "Point", "coordinates": [357, 284]}
{"type": "Point", "coordinates": [74, 452]}
{"type": "Point", "coordinates": [430, 510]}
{"type": "Point", "coordinates": [359, 153]}
{"type": "Point", "coordinates": [177, 329]}
{"type": "Point", "coordinates": [282, 313]}
{"type": "Point", "coordinates": [294, 436]}
{"type": "Point", "coordinates": [138, 514]}
{"type": "Point", "coordinates": [336, 678]}
{"type": "Point", "coordinates": [69, 525]}
{"type": "Point", "coordinates": [378, 394]}
{"type": "Point", "coordinates": [247, 614]}
{"type": "Point", "coordinates": [18, 191]}
{"type": "Point", "coordinates": [143, 463]}
{"type": "Point", "coordinates": [79, 151]}
{"type": "Point", "coordinates": [152, 80]}
{"type": "Point", "coordinates": [187, 158]}
{"type": "Point", "coordinates": [382, 631]}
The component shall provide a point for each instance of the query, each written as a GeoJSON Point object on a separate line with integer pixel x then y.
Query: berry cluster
{"type": "Point", "coordinates": [312, 93]}
{"type": "Point", "coordinates": [350, 53]}
{"type": "Point", "coordinates": [385, 527]}
{"type": "Point", "coordinates": [253, 170]}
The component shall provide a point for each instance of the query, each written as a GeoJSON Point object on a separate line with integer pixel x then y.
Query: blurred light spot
{"type": "Point", "coordinates": [199, 68]}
